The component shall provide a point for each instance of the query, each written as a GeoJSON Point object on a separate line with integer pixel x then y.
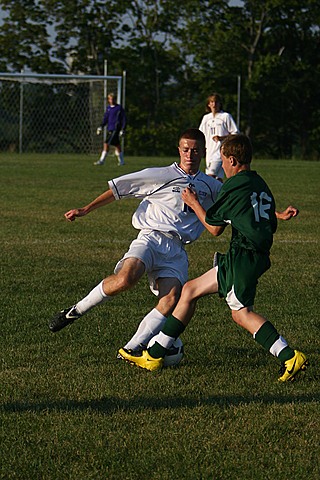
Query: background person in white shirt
{"type": "Point", "coordinates": [165, 225]}
{"type": "Point", "coordinates": [216, 126]}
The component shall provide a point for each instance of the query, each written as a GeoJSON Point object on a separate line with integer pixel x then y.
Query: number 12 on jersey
{"type": "Point", "coordinates": [260, 204]}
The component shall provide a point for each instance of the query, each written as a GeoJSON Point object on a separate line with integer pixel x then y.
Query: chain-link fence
{"type": "Point", "coordinates": [53, 114]}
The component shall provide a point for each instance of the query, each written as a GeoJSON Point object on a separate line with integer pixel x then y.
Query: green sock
{"type": "Point", "coordinates": [173, 328]}
{"type": "Point", "coordinates": [267, 335]}
{"type": "Point", "coordinates": [157, 350]}
{"type": "Point", "coordinates": [286, 354]}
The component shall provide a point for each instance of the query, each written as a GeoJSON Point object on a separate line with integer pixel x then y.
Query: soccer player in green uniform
{"type": "Point", "coordinates": [246, 202]}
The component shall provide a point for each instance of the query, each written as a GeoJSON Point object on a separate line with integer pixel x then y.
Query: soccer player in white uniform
{"type": "Point", "coordinates": [216, 126]}
{"type": "Point", "coordinates": [245, 202]}
{"type": "Point", "coordinates": [166, 224]}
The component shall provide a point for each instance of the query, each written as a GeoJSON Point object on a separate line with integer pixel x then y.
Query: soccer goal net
{"type": "Point", "coordinates": [53, 113]}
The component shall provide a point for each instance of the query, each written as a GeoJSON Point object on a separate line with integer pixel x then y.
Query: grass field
{"type": "Point", "coordinates": [70, 410]}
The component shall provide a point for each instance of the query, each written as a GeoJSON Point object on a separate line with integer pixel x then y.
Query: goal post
{"type": "Point", "coordinates": [48, 113]}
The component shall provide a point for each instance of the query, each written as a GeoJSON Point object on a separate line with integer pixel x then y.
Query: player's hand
{"type": "Point", "coordinates": [189, 197]}
{"type": "Point", "coordinates": [288, 213]}
{"type": "Point", "coordinates": [71, 215]}
{"type": "Point", "coordinates": [121, 133]}
{"type": "Point", "coordinates": [99, 130]}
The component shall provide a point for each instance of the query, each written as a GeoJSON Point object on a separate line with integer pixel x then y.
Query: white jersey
{"type": "Point", "coordinates": [162, 208]}
{"type": "Point", "coordinates": [221, 124]}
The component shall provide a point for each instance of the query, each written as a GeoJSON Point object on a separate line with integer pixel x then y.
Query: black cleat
{"type": "Point", "coordinates": [63, 318]}
{"type": "Point", "coordinates": [130, 351]}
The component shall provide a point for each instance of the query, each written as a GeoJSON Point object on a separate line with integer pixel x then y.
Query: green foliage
{"type": "Point", "coordinates": [85, 32]}
{"type": "Point", "coordinates": [175, 57]}
{"type": "Point", "coordinates": [70, 410]}
{"type": "Point", "coordinates": [24, 38]}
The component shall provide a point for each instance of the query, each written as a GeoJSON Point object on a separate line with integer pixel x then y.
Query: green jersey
{"type": "Point", "coordinates": [246, 202]}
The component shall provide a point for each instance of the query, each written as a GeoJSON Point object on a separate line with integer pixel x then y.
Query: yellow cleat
{"type": "Point", "coordinates": [291, 367]}
{"type": "Point", "coordinates": [141, 358]}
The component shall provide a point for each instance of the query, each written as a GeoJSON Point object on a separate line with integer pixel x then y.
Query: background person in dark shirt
{"type": "Point", "coordinates": [115, 120]}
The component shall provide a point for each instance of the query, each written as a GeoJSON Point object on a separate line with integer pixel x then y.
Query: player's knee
{"type": "Point", "coordinates": [124, 282]}
{"type": "Point", "coordinates": [235, 315]}
{"type": "Point", "coordinates": [189, 292]}
{"type": "Point", "coordinates": [238, 316]}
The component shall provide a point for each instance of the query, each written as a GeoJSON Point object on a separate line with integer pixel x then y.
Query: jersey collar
{"type": "Point", "coordinates": [183, 172]}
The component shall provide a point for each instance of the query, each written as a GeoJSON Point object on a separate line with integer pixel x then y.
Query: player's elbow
{"type": "Point", "coordinates": [215, 231]}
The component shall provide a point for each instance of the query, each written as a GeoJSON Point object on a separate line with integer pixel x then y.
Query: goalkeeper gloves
{"type": "Point", "coordinates": [99, 130]}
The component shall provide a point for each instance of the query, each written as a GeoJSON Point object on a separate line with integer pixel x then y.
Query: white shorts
{"type": "Point", "coordinates": [215, 168]}
{"type": "Point", "coordinates": [163, 256]}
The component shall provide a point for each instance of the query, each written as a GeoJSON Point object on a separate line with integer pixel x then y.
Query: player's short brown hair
{"type": "Point", "coordinates": [194, 134]}
{"type": "Point", "coordinates": [238, 146]}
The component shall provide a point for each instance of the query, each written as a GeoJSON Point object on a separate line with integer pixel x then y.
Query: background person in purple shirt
{"type": "Point", "coordinates": [115, 120]}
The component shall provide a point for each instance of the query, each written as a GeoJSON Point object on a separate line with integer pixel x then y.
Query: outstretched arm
{"type": "Point", "coordinates": [288, 213]}
{"type": "Point", "coordinates": [190, 198]}
{"type": "Point", "coordinates": [103, 199]}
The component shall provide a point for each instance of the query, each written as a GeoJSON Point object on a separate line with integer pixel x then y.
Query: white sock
{"type": "Point", "coordinates": [164, 340]}
{"type": "Point", "coordinates": [94, 298]}
{"type": "Point", "coordinates": [103, 155]}
{"type": "Point", "coordinates": [149, 326]}
{"type": "Point", "coordinates": [278, 346]}
{"type": "Point", "coordinates": [121, 158]}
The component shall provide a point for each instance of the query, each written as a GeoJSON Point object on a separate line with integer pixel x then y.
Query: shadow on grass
{"type": "Point", "coordinates": [110, 405]}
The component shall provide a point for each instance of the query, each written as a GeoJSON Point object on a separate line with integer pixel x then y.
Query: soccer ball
{"type": "Point", "coordinates": [174, 355]}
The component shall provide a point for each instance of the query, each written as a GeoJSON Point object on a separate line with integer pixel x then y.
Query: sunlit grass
{"type": "Point", "coordinates": [70, 410]}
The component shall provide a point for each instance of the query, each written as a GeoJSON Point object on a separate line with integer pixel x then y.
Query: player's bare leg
{"type": "Point", "coordinates": [169, 293]}
{"type": "Point", "coordinates": [248, 319]}
{"type": "Point", "coordinates": [129, 274]}
{"type": "Point", "coordinates": [194, 289]}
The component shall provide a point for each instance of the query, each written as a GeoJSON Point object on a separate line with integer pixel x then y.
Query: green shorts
{"type": "Point", "coordinates": [238, 273]}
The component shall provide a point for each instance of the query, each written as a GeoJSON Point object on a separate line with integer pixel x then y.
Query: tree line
{"type": "Point", "coordinates": [175, 55]}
